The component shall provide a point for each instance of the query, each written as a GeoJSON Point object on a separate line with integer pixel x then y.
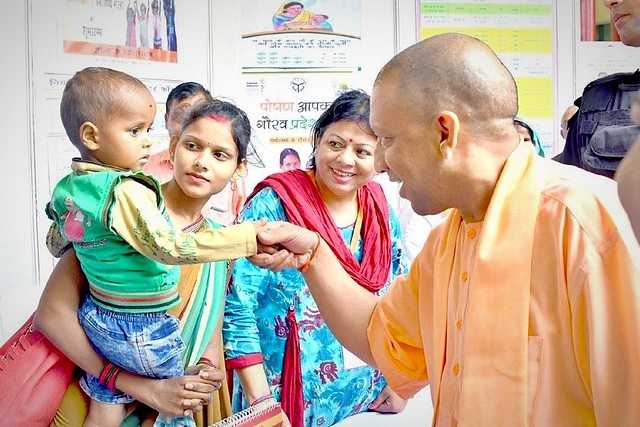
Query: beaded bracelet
{"type": "Point", "coordinates": [261, 399]}
{"type": "Point", "coordinates": [108, 376]}
{"type": "Point", "coordinates": [206, 361]}
{"type": "Point", "coordinates": [307, 264]}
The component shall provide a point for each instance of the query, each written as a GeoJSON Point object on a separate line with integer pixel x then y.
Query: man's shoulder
{"type": "Point", "coordinates": [565, 182]}
{"type": "Point", "coordinates": [589, 199]}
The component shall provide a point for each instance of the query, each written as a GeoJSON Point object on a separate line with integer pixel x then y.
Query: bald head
{"type": "Point", "coordinates": [454, 72]}
{"type": "Point", "coordinates": [564, 120]}
{"type": "Point", "coordinates": [569, 112]}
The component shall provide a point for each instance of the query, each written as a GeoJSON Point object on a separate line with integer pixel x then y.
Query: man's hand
{"type": "Point", "coordinates": [293, 246]}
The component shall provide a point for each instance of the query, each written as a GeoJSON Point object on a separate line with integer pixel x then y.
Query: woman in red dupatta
{"type": "Point", "coordinates": [276, 341]}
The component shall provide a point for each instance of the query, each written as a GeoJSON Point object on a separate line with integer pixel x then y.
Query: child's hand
{"type": "Point", "coordinates": [261, 225]}
{"type": "Point", "coordinates": [291, 246]}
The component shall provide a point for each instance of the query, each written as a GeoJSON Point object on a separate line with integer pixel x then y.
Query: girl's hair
{"type": "Point", "coordinates": [239, 125]}
{"type": "Point", "coordinates": [353, 105]}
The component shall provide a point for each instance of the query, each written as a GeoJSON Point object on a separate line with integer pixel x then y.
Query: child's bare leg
{"type": "Point", "coordinates": [104, 415]}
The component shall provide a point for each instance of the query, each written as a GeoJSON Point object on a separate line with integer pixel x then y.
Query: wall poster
{"type": "Point", "coordinates": [307, 35]}
{"type": "Point", "coordinates": [521, 32]}
{"type": "Point", "coordinates": [283, 108]}
{"type": "Point", "coordinates": [145, 38]}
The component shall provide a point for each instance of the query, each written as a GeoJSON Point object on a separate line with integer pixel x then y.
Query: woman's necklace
{"type": "Point", "coordinates": [195, 227]}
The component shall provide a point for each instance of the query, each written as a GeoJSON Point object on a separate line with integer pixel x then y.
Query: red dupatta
{"type": "Point", "coordinates": [304, 207]}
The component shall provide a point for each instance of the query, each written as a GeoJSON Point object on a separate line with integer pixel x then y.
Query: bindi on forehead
{"type": "Point", "coordinates": [218, 118]}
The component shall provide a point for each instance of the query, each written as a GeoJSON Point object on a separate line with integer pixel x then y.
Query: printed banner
{"type": "Point", "coordinates": [114, 28]}
{"type": "Point", "coordinates": [312, 34]}
{"type": "Point", "coordinates": [283, 109]}
{"type": "Point", "coordinates": [521, 33]}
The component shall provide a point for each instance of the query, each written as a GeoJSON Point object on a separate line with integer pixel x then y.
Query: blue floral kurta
{"type": "Point", "coordinates": [255, 322]}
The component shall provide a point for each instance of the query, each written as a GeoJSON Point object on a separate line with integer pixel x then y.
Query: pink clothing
{"type": "Point", "coordinates": [131, 27]}
{"type": "Point", "coordinates": [529, 318]}
{"type": "Point", "coordinates": [74, 226]}
{"type": "Point", "coordinates": [159, 166]}
{"type": "Point", "coordinates": [223, 207]}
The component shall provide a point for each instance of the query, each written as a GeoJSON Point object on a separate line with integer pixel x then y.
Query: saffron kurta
{"type": "Point", "coordinates": [255, 329]}
{"type": "Point", "coordinates": [520, 320]}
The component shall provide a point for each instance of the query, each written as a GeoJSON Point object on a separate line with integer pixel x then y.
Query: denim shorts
{"type": "Point", "coordinates": [147, 344]}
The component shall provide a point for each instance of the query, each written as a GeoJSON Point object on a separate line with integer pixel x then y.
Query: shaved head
{"type": "Point", "coordinates": [568, 113]}
{"type": "Point", "coordinates": [457, 73]}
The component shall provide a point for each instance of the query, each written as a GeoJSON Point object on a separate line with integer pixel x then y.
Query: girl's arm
{"type": "Point", "coordinates": [240, 330]}
{"type": "Point", "coordinates": [56, 317]}
{"type": "Point", "coordinates": [254, 382]}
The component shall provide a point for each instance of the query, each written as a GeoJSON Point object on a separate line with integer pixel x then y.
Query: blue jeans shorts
{"type": "Point", "coordinates": [147, 344]}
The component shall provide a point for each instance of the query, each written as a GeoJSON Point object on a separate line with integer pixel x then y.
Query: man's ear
{"type": "Point", "coordinates": [90, 136]}
{"type": "Point", "coordinates": [448, 125]}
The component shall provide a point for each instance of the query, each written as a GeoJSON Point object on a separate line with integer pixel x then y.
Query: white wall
{"type": "Point", "coordinates": [17, 216]}
{"type": "Point", "coordinates": [388, 26]}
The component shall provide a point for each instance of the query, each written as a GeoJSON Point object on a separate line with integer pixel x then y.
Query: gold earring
{"type": "Point", "coordinates": [234, 185]}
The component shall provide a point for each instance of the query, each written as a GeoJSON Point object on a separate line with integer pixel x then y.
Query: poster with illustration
{"type": "Point", "coordinates": [283, 109]}
{"type": "Point", "coordinates": [138, 29]}
{"type": "Point", "coordinates": [309, 34]}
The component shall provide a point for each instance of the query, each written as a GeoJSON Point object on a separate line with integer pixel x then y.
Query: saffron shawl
{"type": "Point", "coordinates": [502, 279]}
{"type": "Point", "coordinates": [304, 207]}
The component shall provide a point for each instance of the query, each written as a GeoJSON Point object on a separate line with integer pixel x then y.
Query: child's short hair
{"type": "Point", "coordinates": [93, 95]}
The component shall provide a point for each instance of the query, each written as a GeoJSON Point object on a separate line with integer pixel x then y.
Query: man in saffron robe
{"type": "Point", "coordinates": [523, 307]}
